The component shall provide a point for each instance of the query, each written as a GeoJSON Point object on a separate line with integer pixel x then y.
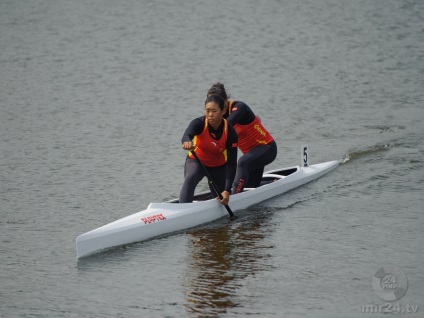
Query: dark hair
{"type": "Point", "coordinates": [216, 99]}
{"type": "Point", "coordinates": [218, 89]}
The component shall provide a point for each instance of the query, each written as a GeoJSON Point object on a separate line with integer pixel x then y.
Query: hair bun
{"type": "Point", "coordinates": [218, 89]}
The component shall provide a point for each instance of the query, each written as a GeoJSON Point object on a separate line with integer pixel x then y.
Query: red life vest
{"type": "Point", "coordinates": [211, 152]}
{"type": "Point", "coordinates": [251, 135]}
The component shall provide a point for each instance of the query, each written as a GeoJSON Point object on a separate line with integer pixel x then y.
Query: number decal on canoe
{"type": "Point", "coordinates": [305, 157]}
{"type": "Point", "coordinates": [153, 218]}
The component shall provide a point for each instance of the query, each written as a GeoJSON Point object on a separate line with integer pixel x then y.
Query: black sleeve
{"type": "Point", "coordinates": [231, 158]}
{"type": "Point", "coordinates": [240, 114]}
{"type": "Point", "coordinates": [194, 128]}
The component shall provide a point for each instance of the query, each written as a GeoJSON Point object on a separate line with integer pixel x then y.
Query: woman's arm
{"type": "Point", "coordinates": [240, 114]}
{"type": "Point", "coordinates": [231, 158]}
{"type": "Point", "coordinates": [194, 128]}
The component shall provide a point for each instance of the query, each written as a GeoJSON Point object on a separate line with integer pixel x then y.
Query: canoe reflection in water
{"type": "Point", "coordinates": [222, 257]}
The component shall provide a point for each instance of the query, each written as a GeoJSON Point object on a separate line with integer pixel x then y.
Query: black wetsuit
{"type": "Point", "coordinates": [250, 166]}
{"type": "Point", "coordinates": [223, 175]}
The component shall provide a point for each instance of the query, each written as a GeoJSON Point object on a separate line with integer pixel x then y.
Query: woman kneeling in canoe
{"type": "Point", "coordinates": [256, 143]}
{"type": "Point", "coordinates": [215, 143]}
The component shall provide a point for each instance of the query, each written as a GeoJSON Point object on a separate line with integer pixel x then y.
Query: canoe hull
{"type": "Point", "coordinates": [152, 222]}
{"type": "Point", "coordinates": [167, 217]}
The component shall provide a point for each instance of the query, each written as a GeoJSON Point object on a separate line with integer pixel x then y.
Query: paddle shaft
{"type": "Point", "coordinates": [213, 183]}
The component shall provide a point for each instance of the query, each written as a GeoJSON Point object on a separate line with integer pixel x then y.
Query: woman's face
{"type": "Point", "coordinates": [213, 114]}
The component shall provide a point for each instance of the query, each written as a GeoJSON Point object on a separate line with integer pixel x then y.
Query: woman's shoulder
{"type": "Point", "coordinates": [241, 113]}
{"type": "Point", "coordinates": [239, 105]}
{"type": "Point", "coordinates": [197, 124]}
{"type": "Point", "coordinates": [198, 120]}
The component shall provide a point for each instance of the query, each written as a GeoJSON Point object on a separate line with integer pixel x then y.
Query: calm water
{"type": "Point", "coordinates": [94, 98]}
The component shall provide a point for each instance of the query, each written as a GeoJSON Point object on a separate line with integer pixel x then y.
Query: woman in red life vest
{"type": "Point", "coordinates": [255, 142]}
{"type": "Point", "coordinates": [215, 143]}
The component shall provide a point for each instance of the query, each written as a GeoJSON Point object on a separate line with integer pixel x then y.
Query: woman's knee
{"type": "Point", "coordinates": [243, 162]}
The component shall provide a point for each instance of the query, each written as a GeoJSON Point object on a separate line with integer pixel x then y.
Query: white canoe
{"type": "Point", "coordinates": [167, 217]}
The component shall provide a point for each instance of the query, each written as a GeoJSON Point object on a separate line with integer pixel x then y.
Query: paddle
{"type": "Point", "coordinates": [213, 184]}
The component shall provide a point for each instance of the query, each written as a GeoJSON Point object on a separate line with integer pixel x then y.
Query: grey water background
{"type": "Point", "coordinates": [94, 98]}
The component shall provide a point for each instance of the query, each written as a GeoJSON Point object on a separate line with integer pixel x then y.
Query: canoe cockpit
{"type": "Point", "coordinates": [267, 178]}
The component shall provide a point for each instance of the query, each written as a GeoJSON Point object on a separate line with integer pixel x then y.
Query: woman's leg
{"type": "Point", "coordinates": [193, 174]}
{"type": "Point", "coordinates": [251, 165]}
